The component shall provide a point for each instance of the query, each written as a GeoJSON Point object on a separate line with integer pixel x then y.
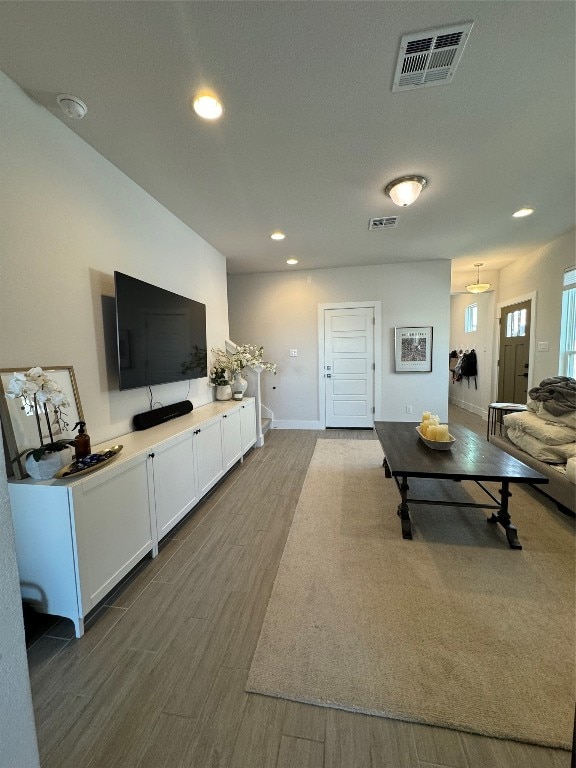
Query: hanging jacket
{"type": "Point", "coordinates": [469, 365]}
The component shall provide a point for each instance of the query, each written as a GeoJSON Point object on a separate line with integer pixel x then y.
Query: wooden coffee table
{"type": "Point", "coordinates": [470, 458]}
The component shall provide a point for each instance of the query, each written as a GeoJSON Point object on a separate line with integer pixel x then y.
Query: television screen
{"type": "Point", "coordinates": [161, 335]}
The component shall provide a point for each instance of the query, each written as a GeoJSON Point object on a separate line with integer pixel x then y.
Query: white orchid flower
{"type": "Point", "coordinates": [15, 387]}
{"type": "Point", "coordinates": [60, 400]}
{"type": "Point", "coordinates": [42, 396]}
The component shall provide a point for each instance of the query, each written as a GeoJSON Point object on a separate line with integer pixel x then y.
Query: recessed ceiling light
{"type": "Point", "coordinates": [291, 261]}
{"type": "Point", "coordinates": [72, 106]}
{"type": "Point", "coordinates": [277, 235]}
{"type": "Point", "coordinates": [523, 212]}
{"type": "Point", "coordinates": [207, 105]}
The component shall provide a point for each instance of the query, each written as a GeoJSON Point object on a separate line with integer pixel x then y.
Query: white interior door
{"type": "Point", "coordinates": [349, 367]}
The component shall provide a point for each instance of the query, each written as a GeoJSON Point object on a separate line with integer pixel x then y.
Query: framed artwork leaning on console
{"type": "Point", "coordinates": [27, 421]}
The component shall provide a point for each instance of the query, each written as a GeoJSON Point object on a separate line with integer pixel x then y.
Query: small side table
{"type": "Point", "coordinates": [495, 413]}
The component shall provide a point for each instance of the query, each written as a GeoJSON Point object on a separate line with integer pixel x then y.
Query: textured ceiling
{"type": "Point", "coordinates": [312, 131]}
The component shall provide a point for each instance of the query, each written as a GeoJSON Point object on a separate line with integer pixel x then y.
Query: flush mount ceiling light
{"type": "Point", "coordinates": [277, 235]}
{"type": "Point", "coordinates": [72, 106]}
{"type": "Point", "coordinates": [478, 287]}
{"type": "Point", "coordinates": [291, 261]}
{"type": "Point", "coordinates": [523, 212]}
{"type": "Point", "coordinates": [405, 190]}
{"type": "Point", "coordinates": [207, 105]}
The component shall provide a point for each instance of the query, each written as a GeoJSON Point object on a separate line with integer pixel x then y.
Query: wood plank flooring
{"type": "Point", "coordinates": [158, 679]}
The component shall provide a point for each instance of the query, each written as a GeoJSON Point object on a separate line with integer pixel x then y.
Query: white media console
{"type": "Point", "coordinates": [77, 539]}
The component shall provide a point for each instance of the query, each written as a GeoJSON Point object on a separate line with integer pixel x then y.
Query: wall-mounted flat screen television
{"type": "Point", "coordinates": [161, 336]}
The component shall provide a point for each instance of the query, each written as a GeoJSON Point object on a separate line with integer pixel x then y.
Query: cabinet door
{"type": "Point", "coordinates": [174, 481]}
{"type": "Point", "coordinates": [46, 549]}
{"type": "Point", "coordinates": [248, 419]}
{"type": "Point", "coordinates": [113, 526]}
{"type": "Point", "coordinates": [208, 453]}
{"type": "Point", "coordinates": [231, 439]}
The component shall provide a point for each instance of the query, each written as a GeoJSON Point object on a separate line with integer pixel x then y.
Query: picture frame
{"type": "Point", "coordinates": [21, 430]}
{"type": "Point", "coordinates": [413, 349]}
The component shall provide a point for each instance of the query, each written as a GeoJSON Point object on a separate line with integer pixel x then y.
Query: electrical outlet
{"type": "Point", "coordinates": [408, 409]}
{"type": "Point", "coordinates": [293, 353]}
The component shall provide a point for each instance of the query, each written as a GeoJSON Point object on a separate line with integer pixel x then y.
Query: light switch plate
{"type": "Point", "coordinates": [542, 346]}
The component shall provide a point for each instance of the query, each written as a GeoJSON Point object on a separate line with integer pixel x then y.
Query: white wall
{"type": "Point", "coordinates": [464, 393]}
{"type": "Point", "coordinates": [17, 731]}
{"type": "Point", "coordinates": [68, 219]}
{"type": "Point", "coordinates": [280, 311]}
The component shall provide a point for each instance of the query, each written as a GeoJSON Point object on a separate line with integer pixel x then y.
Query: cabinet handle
{"type": "Point", "coordinates": [151, 455]}
{"type": "Point", "coordinates": [225, 416]}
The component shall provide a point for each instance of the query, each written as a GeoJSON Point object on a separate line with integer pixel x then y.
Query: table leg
{"type": "Point", "coordinates": [503, 517]}
{"type": "Point", "coordinates": [387, 472]}
{"type": "Point", "coordinates": [403, 512]}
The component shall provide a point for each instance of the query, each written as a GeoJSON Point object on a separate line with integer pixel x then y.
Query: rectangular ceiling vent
{"type": "Point", "coordinates": [430, 58]}
{"type": "Point", "coordinates": [384, 222]}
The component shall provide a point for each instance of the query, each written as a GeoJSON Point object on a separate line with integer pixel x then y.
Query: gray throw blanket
{"type": "Point", "coordinates": [557, 395]}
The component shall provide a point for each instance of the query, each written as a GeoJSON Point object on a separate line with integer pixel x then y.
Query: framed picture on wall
{"type": "Point", "coordinates": [413, 349]}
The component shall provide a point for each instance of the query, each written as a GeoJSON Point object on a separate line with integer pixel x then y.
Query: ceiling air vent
{"type": "Point", "coordinates": [430, 58]}
{"type": "Point", "coordinates": [383, 222]}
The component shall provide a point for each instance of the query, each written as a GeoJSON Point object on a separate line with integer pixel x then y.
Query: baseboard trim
{"type": "Point", "coordinates": [483, 413]}
{"type": "Point", "coordinates": [280, 424]}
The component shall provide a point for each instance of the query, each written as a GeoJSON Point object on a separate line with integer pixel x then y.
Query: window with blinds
{"type": "Point", "coordinates": [567, 362]}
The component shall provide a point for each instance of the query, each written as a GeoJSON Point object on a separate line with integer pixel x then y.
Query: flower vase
{"type": "Point", "coordinates": [223, 392]}
{"type": "Point", "coordinates": [239, 386]}
{"type": "Point", "coordinates": [50, 462]}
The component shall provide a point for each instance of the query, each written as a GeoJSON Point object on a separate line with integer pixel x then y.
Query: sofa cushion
{"type": "Point", "coordinates": [549, 432]}
{"type": "Point", "coordinates": [537, 407]}
{"type": "Point", "coordinates": [536, 448]}
{"type": "Point", "coordinates": [571, 470]}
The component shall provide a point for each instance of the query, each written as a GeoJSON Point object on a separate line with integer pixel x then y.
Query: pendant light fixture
{"type": "Point", "coordinates": [478, 287]}
{"type": "Point", "coordinates": [405, 190]}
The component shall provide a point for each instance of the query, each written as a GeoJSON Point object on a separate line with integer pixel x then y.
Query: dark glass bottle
{"type": "Point", "coordinates": [82, 442]}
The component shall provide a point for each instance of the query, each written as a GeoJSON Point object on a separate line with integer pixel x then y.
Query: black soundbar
{"type": "Point", "coordinates": [160, 415]}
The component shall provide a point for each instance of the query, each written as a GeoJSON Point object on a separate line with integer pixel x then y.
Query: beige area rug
{"type": "Point", "coordinates": [452, 629]}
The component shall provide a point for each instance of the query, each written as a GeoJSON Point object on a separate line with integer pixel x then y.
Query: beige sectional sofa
{"type": "Point", "coordinates": [559, 488]}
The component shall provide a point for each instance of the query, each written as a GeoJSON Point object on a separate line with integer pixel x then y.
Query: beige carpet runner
{"type": "Point", "coordinates": [452, 629]}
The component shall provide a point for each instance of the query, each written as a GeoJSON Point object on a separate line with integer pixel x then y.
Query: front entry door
{"type": "Point", "coordinates": [349, 367]}
{"type": "Point", "coordinates": [514, 353]}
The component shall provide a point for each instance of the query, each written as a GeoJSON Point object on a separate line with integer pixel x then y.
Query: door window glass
{"type": "Point", "coordinates": [516, 323]}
